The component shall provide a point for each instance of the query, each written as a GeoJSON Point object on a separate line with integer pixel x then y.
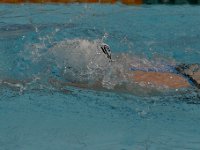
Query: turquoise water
{"type": "Point", "coordinates": [38, 43]}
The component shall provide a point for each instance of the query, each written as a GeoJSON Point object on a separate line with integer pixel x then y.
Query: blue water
{"type": "Point", "coordinates": [36, 43]}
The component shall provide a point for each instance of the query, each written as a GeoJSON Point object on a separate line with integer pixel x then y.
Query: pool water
{"type": "Point", "coordinates": [38, 42]}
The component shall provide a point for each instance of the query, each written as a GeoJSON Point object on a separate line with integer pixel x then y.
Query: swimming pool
{"type": "Point", "coordinates": [39, 116]}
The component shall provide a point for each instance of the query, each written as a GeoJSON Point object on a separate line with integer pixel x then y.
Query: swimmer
{"type": "Point", "coordinates": [113, 73]}
{"type": "Point", "coordinates": [100, 70]}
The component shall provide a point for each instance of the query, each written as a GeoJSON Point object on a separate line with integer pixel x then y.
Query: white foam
{"type": "Point", "coordinates": [81, 59]}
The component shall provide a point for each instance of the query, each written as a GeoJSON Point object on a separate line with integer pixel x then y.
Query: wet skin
{"type": "Point", "coordinates": [161, 79]}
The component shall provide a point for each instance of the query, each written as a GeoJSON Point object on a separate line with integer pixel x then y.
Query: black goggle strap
{"type": "Point", "coordinates": [106, 50]}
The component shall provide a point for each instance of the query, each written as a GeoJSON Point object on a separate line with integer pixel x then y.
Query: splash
{"type": "Point", "coordinates": [83, 61]}
{"type": "Point", "coordinates": [80, 60]}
